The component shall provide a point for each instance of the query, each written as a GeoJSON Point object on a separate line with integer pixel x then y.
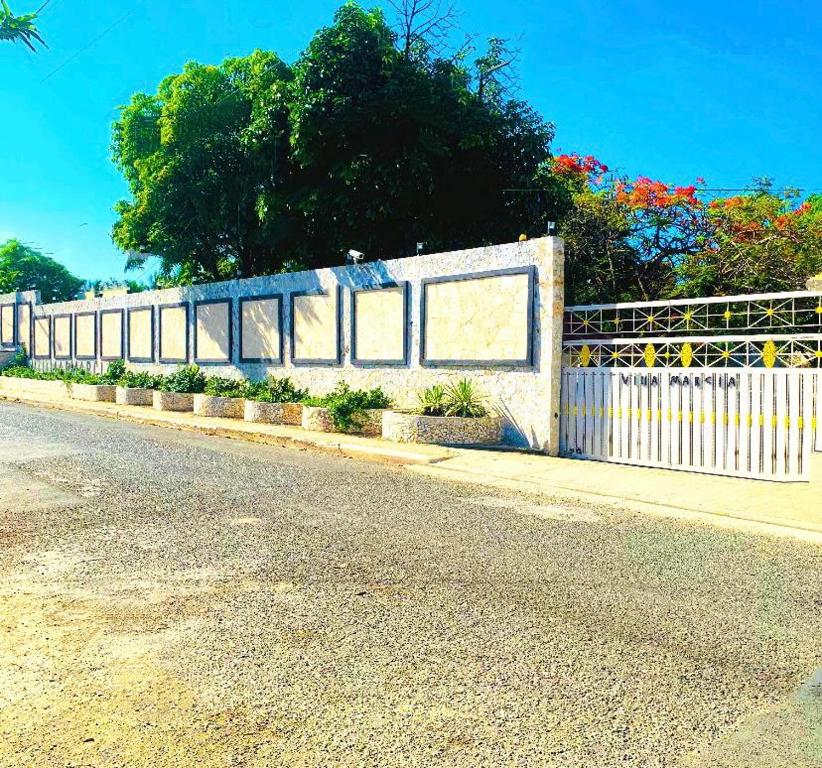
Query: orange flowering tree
{"type": "Point", "coordinates": [762, 241]}
{"type": "Point", "coordinates": [645, 239]}
{"type": "Point", "coordinates": [625, 238]}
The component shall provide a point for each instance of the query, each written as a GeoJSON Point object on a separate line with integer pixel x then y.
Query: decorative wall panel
{"type": "Point", "coordinates": [380, 326]}
{"type": "Point", "coordinates": [212, 331]}
{"type": "Point", "coordinates": [260, 332]}
{"type": "Point", "coordinates": [174, 333]}
{"type": "Point", "coordinates": [478, 320]}
{"type": "Point", "coordinates": [315, 327]}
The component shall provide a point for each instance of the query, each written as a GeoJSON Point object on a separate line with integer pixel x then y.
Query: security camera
{"type": "Point", "coordinates": [354, 257]}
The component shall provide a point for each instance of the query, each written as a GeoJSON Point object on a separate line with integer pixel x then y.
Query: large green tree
{"type": "Point", "coordinates": [206, 160]}
{"type": "Point", "coordinates": [23, 268]}
{"type": "Point", "coordinates": [254, 166]}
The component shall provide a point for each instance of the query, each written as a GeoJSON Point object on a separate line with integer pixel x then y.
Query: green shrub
{"type": "Point", "coordinates": [69, 374]}
{"type": "Point", "coordinates": [18, 360]}
{"type": "Point", "coordinates": [432, 401]}
{"type": "Point", "coordinates": [140, 380]}
{"type": "Point", "coordinates": [465, 400]}
{"type": "Point", "coordinates": [459, 399]}
{"type": "Point", "coordinates": [274, 390]}
{"type": "Point", "coordinates": [186, 380]}
{"type": "Point", "coordinates": [21, 372]}
{"type": "Point", "coordinates": [115, 371]}
{"type": "Point", "coordinates": [347, 406]}
{"type": "Point", "coordinates": [217, 386]}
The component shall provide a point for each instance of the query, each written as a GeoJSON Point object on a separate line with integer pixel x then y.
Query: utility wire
{"type": "Point", "coordinates": [91, 42]}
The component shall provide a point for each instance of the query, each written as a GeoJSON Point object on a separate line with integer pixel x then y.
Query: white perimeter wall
{"type": "Point", "coordinates": [480, 317]}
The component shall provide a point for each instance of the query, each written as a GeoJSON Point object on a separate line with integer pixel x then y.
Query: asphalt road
{"type": "Point", "coordinates": [168, 599]}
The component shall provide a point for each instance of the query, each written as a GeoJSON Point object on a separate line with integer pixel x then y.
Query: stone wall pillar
{"type": "Point", "coordinates": [551, 307]}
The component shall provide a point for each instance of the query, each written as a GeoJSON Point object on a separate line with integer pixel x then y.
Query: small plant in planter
{"type": "Point", "coordinates": [176, 391]}
{"type": "Point", "coordinates": [217, 386]}
{"type": "Point", "coordinates": [188, 380]}
{"type": "Point", "coordinates": [346, 410]}
{"type": "Point", "coordinates": [464, 400]}
{"type": "Point", "coordinates": [274, 401]}
{"type": "Point", "coordinates": [139, 380]}
{"type": "Point", "coordinates": [274, 390]}
{"type": "Point", "coordinates": [432, 401]}
{"type": "Point", "coordinates": [85, 385]}
{"type": "Point", "coordinates": [452, 414]}
{"type": "Point", "coordinates": [136, 388]}
{"type": "Point", "coordinates": [115, 371]}
{"type": "Point", "coordinates": [221, 398]}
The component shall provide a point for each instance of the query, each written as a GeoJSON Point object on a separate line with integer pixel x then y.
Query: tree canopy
{"type": "Point", "coordinates": [23, 268]}
{"type": "Point", "coordinates": [256, 166]}
{"type": "Point", "coordinates": [19, 29]}
{"type": "Point", "coordinates": [645, 239]}
{"type": "Point", "coordinates": [375, 140]}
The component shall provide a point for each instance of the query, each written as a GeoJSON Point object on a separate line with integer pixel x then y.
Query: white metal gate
{"type": "Point", "coordinates": [753, 423]}
{"type": "Point", "coordinates": [727, 385]}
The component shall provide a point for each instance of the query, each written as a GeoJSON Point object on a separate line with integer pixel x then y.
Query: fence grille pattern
{"type": "Point", "coordinates": [747, 423]}
{"type": "Point", "coordinates": [798, 351]}
{"type": "Point", "coordinates": [772, 313]}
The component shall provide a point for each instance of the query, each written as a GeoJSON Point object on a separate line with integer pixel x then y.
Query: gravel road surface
{"type": "Point", "coordinates": [169, 599]}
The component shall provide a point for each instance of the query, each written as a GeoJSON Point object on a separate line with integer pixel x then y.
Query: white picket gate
{"type": "Point", "coordinates": [744, 422]}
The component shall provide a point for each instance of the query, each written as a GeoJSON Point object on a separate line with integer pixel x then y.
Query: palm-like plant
{"type": "Point", "coordinates": [465, 400]}
{"type": "Point", "coordinates": [432, 401]}
{"type": "Point", "coordinates": [19, 29]}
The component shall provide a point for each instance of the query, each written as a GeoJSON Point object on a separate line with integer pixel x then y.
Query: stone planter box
{"type": "Point", "coordinates": [134, 396]}
{"type": "Point", "coordinates": [33, 386]}
{"type": "Point", "coordinates": [173, 401]}
{"type": "Point", "coordinates": [95, 393]}
{"type": "Point", "coordinates": [444, 430]}
{"type": "Point", "coordinates": [319, 420]}
{"type": "Point", "coordinates": [219, 407]}
{"type": "Point", "coordinates": [274, 413]}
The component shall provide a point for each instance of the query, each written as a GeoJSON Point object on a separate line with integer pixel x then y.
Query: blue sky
{"type": "Point", "coordinates": [723, 90]}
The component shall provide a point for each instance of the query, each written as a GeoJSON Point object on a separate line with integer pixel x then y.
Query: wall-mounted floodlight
{"type": "Point", "coordinates": [354, 257]}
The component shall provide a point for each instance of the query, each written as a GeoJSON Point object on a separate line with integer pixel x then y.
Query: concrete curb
{"type": "Point", "coordinates": [292, 437]}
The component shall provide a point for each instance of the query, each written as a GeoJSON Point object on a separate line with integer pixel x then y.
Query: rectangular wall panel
{"type": "Point", "coordinates": [315, 328]}
{"type": "Point", "coordinates": [24, 326]}
{"type": "Point", "coordinates": [174, 333]}
{"type": "Point", "coordinates": [141, 335]}
{"type": "Point", "coordinates": [42, 337]}
{"type": "Point", "coordinates": [380, 326]}
{"type": "Point", "coordinates": [7, 325]}
{"type": "Point", "coordinates": [111, 334]}
{"type": "Point", "coordinates": [212, 331]}
{"type": "Point", "coordinates": [61, 330]}
{"type": "Point", "coordinates": [478, 320]}
{"type": "Point", "coordinates": [260, 332]}
{"type": "Point", "coordinates": [85, 336]}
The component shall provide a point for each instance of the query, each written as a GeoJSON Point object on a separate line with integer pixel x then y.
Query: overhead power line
{"type": "Point", "coordinates": [94, 40]}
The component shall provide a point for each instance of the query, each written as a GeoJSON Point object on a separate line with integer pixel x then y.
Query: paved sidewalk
{"type": "Point", "coordinates": [792, 509]}
{"type": "Point", "coordinates": [783, 509]}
